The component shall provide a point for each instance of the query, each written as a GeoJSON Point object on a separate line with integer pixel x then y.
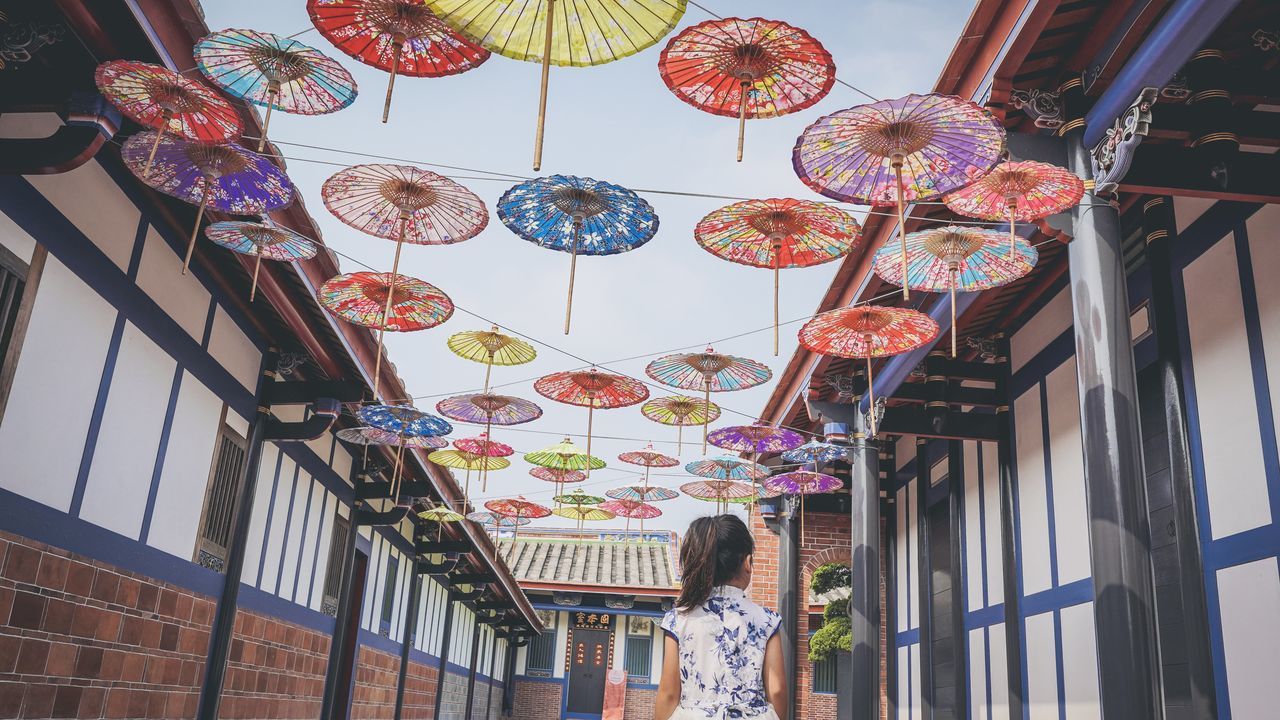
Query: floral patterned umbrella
{"type": "Point", "coordinates": [404, 421]}
{"type": "Point", "coordinates": [1018, 192]}
{"type": "Point", "coordinates": [581, 514]}
{"type": "Point", "coordinates": [517, 509]}
{"type": "Point", "coordinates": [275, 72]}
{"type": "Point", "coordinates": [727, 467]}
{"type": "Point", "coordinates": [756, 438]}
{"type": "Point", "coordinates": [815, 452]}
{"type": "Point", "coordinates": [950, 259]}
{"type": "Point", "coordinates": [484, 447]}
{"type": "Point", "coordinates": [491, 348]}
{"type": "Point", "coordinates": [386, 301]}
{"type": "Point", "coordinates": [593, 389]}
{"type": "Point", "coordinates": [868, 331]}
{"type": "Point", "coordinates": [158, 98]}
{"type": "Point", "coordinates": [578, 497]}
{"type": "Point", "coordinates": [889, 152]}
{"type": "Point", "coordinates": [710, 372]}
{"type": "Point", "coordinates": [753, 68]}
{"type": "Point", "coordinates": [778, 234]}
{"type": "Point", "coordinates": [802, 483]}
{"type": "Point", "coordinates": [721, 492]}
{"type": "Point", "coordinates": [461, 460]}
{"type": "Point", "coordinates": [643, 493]}
{"type": "Point", "coordinates": [376, 436]}
{"type": "Point", "coordinates": [402, 37]}
{"type": "Point", "coordinates": [580, 216]}
{"type": "Point", "coordinates": [494, 523]}
{"type": "Point", "coordinates": [564, 456]}
{"type": "Point", "coordinates": [580, 33]}
{"type": "Point", "coordinates": [489, 408]}
{"type": "Point", "coordinates": [261, 241]}
{"type": "Point", "coordinates": [441, 515]}
{"type": "Point", "coordinates": [559, 477]}
{"type": "Point", "coordinates": [648, 458]}
{"type": "Point", "coordinates": [680, 410]}
{"type": "Point", "coordinates": [223, 177]}
{"type": "Point", "coordinates": [631, 510]}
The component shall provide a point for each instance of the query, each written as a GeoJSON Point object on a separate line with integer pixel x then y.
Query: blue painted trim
{"type": "Point", "coordinates": [908, 637]}
{"type": "Point", "coordinates": [1017, 540]}
{"type": "Point", "coordinates": [1058, 351]}
{"type": "Point", "coordinates": [157, 468]}
{"type": "Point", "coordinates": [645, 686]}
{"type": "Point", "coordinates": [984, 617]}
{"type": "Point", "coordinates": [1059, 674]}
{"type": "Point", "coordinates": [599, 610]}
{"type": "Point", "coordinates": [581, 716]}
{"type": "Point", "coordinates": [95, 418]}
{"type": "Point", "coordinates": [266, 528]}
{"type": "Point", "coordinates": [982, 523]}
{"type": "Point", "coordinates": [288, 521]}
{"type": "Point", "coordinates": [1073, 593]}
{"type": "Point", "coordinates": [986, 659]}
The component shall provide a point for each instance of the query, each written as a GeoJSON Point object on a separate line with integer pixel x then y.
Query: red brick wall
{"type": "Point", "coordinates": [764, 578]}
{"type": "Point", "coordinates": [274, 670]}
{"type": "Point", "coordinates": [536, 700]}
{"type": "Point", "coordinates": [639, 704]}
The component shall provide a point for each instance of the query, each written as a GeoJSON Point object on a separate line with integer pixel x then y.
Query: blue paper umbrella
{"type": "Point", "coordinates": [580, 216]}
{"type": "Point", "coordinates": [404, 420]}
{"type": "Point", "coordinates": [815, 452]}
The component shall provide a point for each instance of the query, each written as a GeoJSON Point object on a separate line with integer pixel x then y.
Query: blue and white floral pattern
{"type": "Point", "coordinates": [722, 656]}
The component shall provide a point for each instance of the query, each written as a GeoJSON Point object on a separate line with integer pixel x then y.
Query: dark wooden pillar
{"type": "Point", "coordinates": [444, 651]}
{"type": "Point", "coordinates": [471, 675]}
{"type": "Point", "coordinates": [1008, 535]}
{"type": "Point", "coordinates": [864, 603]}
{"type": "Point", "coordinates": [788, 588]}
{"type": "Point", "coordinates": [410, 623]}
{"type": "Point", "coordinates": [959, 648]}
{"type": "Point", "coordinates": [924, 578]}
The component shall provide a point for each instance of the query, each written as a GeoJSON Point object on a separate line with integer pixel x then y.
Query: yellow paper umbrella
{"type": "Point", "coordinates": [491, 348]}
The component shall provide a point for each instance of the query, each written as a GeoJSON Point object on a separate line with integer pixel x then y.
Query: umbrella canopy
{"type": "Point", "coordinates": [816, 452]}
{"type": "Point", "coordinates": [402, 37]}
{"type": "Point", "coordinates": [405, 204]}
{"type": "Point", "coordinates": [756, 438]}
{"type": "Point", "coordinates": [752, 68]}
{"type": "Point", "coordinates": [708, 371]}
{"type": "Point", "coordinates": [227, 178]}
{"type": "Point", "coordinates": [362, 298]}
{"type": "Point", "coordinates": [868, 331]}
{"type": "Point", "coordinates": [493, 521]}
{"type": "Point", "coordinates": [578, 497]}
{"type": "Point", "coordinates": [727, 467]}
{"type": "Point", "coordinates": [275, 72]}
{"type": "Point", "coordinates": [403, 420]}
{"type": "Point", "coordinates": [261, 241]}
{"type": "Point", "coordinates": [577, 215]}
{"type": "Point", "coordinates": [156, 97]}
{"type": "Point", "coordinates": [720, 492]}
{"type": "Point", "coordinates": [592, 389]}
{"type": "Point", "coordinates": [583, 513]}
{"type": "Point", "coordinates": [579, 33]}
{"type": "Point", "coordinates": [517, 508]}
{"type": "Point", "coordinates": [377, 436]}
{"type": "Point", "coordinates": [491, 348]}
{"type": "Point", "coordinates": [441, 514]}
{"type": "Point", "coordinates": [648, 457]}
{"type": "Point", "coordinates": [631, 509]}
{"type": "Point", "coordinates": [1018, 192]}
{"type": "Point", "coordinates": [680, 410]}
{"type": "Point", "coordinates": [489, 408]}
{"type": "Point", "coordinates": [482, 445]}
{"type": "Point", "coordinates": [913, 148]}
{"type": "Point", "coordinates": [460, 460]}
{"type": "Point", "coordinates": [951, 259]}
{"type": "Point", "coordinates": [560, 477]}
{"type": "Point", "coordinates": [642, 493]}
{"type": "Point", "coordinates": [803, 482]}
{"type": "Point", "coordinates": [776, 234]}
{"type": "Point", "coordinates": [564, 456]}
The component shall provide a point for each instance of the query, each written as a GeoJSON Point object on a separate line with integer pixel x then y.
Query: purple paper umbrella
{"type": "Point", "coordinates": [803, 482]}
{"type": "Point", "coordinates": [756, 438]}
{"type": "Point", "coordinates": [227, 178]}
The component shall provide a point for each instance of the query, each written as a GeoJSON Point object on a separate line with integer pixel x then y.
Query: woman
{"type": "Point", "coordinates": [722, 657]}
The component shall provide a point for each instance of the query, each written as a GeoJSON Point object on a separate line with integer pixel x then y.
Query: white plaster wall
{"type": "Point", "coordinates": [275, 531]}
{"type": "Point", "coordinates": [258, 521]}
{"type": "Point", "coordinates": [373, 584]}
{"type": "Point", "coordinates": [1033, 509]}
{"type": "Point", "coordinates": [1186, 210]}
{"type": "Point", "coordinates": [124, 457]}
{"type": "Point", "coordinates": [15, 239]}
{"type": "Point", "coordinates": [1050, 322]}
{"type": "Point", "coordinates": [295, 511]}
{"type": "Point", "coordinates": [92, 201]}
{"type": "Point", "coordinates": [1264, 251]}
{"type": "Point", "coordinates": [904, 683]}
{"type": "Point", "coordinates": [29, 125]}
{"type": "Point", "coordinates": [978, 708]}
{"type": "Point", "coordinates": [1250, 599]}
{"type": "Point", "coordinates": [310, 570]}
{"type": "Point", "coordinates": [185, 475]}
{"type": "Point", "coordinates": [975, 568]}
{"type": "Point", "coordinates": [231, 347]}
{"type": "Point", "coordinates": [182, 297]}
{"type": "Point", "coordinates": [1080, 663]}
{"type": "Point", "coordinates": [1042, 668]}
{"type": "Point", "coordinates": [993, 534]}
{"type": "Point", "coordinates": [1235, 479]}
{"type": "Point", "coordinates": [1066, 451]}
{"type": "Point", "coordinates": [562, 643]}
{"type": "Point", "coordinates": [998, 672]}
{"type": "Point", "coordinates": [41, 462]}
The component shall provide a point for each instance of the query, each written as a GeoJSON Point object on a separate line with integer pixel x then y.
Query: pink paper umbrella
{"type": "Point", "coordinates": [631, 510]}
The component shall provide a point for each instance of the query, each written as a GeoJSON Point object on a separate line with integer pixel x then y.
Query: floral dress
{"type": "Point", "coordinates": [722, 656]}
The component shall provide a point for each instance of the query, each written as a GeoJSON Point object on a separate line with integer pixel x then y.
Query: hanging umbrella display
{"type": "Point", "coordinates": [578, 33]}
{"type": "Point", "coordinates": [631, 510]}
{"type": "Point", "coordinates": [564, 456]}
{"type": "Point", "coordinates": [517, 509]}
{"type": "Point", "coordinates": [226, 178]}
{"type": "Point", "coordinates": [375, 436]}
{"type": "Point", "coordinates": [776, 234]}
{"type": "Point", "coordinates": [274, 72]}
{"type": "Point", "coordinates": [580, 507]}
{"type": "Point", "coordinates": [580, 216]}
{"type": "Point", "coordinates": [404, 421]}
{"type": "Point", "coordinates": [721, 492]}
{"type": "Point", "coordinates": [491, 348]}
{"type": "Point", "coordinates": [708, 371]}
{"type": "Point", "coordinates": [493, 523]}
{"type": "Point", "coordinates": [462, 460]}
{"type": "Point", "coordinates": [401, 37]}
{"type": "Point", "coordinates": [890, 152]}
{"type": "Point", "coordinates": [680, 410]}
{"type": "Point", "coordinates": [577, 498]}
{"type": "Point", "coordinates": [484, 447]}
{"type": "Point", "coordinates": [958, 259]}
{"type": "Point", "coordinates": [756, 438]}
{"type": "Point", "coordinates": [868, 331]}
{"type": "Point", "coordinates": [643, 493]}
{"type": "Point", "coordinates": [815, 452]}
{"type": "Point", "coordinates": [592, 389]}
{"type": "Point", "coordinates": [1018, 192]}
{"type": "Point", "coordinates": [802, 483]}
{"type": "Point", "coordinates": [559, 477]}
{"type": "Point", "coordinates": [727, 467]}
{"type": "Point", "coordinates": [648, 458]}
{"type": "Point", "coordinates": [387, 302]}
{"type": "Point", "coordinates": [175, 106]}
{"type": "Point", "coordinates": [261, 241]}
{"type": "Point", "coordinates": [488, 409]}
{"type": "Point", "coordinates": [752, 68]}
{"type": "Point", "coordinates": [440, 515]}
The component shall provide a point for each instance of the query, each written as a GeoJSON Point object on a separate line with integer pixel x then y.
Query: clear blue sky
{"type": "Point", "coordinates": [615, 122]}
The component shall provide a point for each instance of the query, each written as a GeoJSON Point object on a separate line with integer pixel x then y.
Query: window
{"type": "Point", "coordinates": [389, 592]}
{"type": "Point", "coordinates": [220, 497]}
{"type": "Point", "coordinates": [18, 283]}
{"type": "Point", "coordinates": [333, 573]}
{"type": "Point", "coordinates": [824, 675]}
{"type": "Point", "coordinates": [542, 650]}
{"type": "Point", "coordinates": [639, 649]}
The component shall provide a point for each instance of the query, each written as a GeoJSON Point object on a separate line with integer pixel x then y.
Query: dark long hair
{"type": "Point", "coordinates": [712, 553]}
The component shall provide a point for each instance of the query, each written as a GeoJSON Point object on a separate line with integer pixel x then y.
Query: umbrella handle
{"type": "Point", "coordinates": [706, 409]}
{"type": "Point", "coordinates": [742, 119]}
{"type": "Point", "coordinates": [680, 439]}
{"type": "Point", "coordinates": [257, 265]}
{"type": "Point", "coordinates": [777, 263]}
{"type": "Point", "coordinates": [1012, 207]}
{"type": "Point", "coordinates": [953, 313]}
{"type": "Point", "coordinates": [542, 96]}
{"type": "Point", "coordinates": [399, 41]}
{"type": "Point", "coordinates": [273, 91]}
{"type": "Point", "coordinates": [191, 246]}
{"type": "Point", "coordinates": [591, 411]}
{"type": "Point", "coordinates": [871, 394]}
{"type": "Point", "coordinates": [902, 225]}
{"type": "Point", "coordinates": [146, 171]}
{"type": "Point", "coordinates": [386, 308]}
{"type": "Point", "coordinates": [573, 271]}
{"type": "Point", "coordinates": [488, 370]}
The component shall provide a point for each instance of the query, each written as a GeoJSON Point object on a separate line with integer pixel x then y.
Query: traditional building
{"type": "Point", "coordinates": [1078, 516]}
{"type": "Point", "coordinates": [601, 597]}
{"type": "Point", "coordinates": [181, 532]}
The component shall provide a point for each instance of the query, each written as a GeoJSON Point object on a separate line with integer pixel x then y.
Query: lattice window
{"type": "Point", "coordinates": [225, 478]}
{"type": "Point", "coordinates": [18, 284]}
{"type": "Point", "coordinates": [333, 573]}
{"type": "Point", "coordinates": [542, 650]}
{"type": "Point", "coordinates": [824, 675]}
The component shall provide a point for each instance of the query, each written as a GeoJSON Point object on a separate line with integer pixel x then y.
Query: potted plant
{"type": "Point", "coordinates": [832, 584]}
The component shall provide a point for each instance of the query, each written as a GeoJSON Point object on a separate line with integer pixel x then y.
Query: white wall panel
{"type": "Point", "coordinates": [999, 673]}
{"type": "Point", "coordinates": [373, 585]}
{"type": "Point", "coordinates": [902, 558]}
{"type": "Point", "coordinates": [1080, 663]}
{"type": "Point", "coordinates": [1033, 509]}
{"type": "Point", "coordinates": [315, 516]}
{"type": "Point", "coordinates": [1250, 600]}
{"type": "Point", "coordinates": [992, 534]}
{"type": "Point", "coordinates": [258, 521]}
{"type": "Point", "coordinates": [1186, 210]}
{"type": "Point", "coordinates": [1264, 251]}
{"type": "Point", "coordinates": [1042, 668]}
{"type": "Point", "coordinates": [917, 698]}
{"type": "Point", "coordinates": [124, 458]}
{"type": "Point", "coordinates": [187, 462]}
{"type": "Point", "coordinates": [275, 531]}
{"type": "Point", "coordinates": [1066, 452]}
{"type": "Point", "coordinates": [342, 463]}
{"type": "Point", "coordinates": [14, 238]}
{"type": "Point", "coordinates": [92, 201]}
{"type": "Point", "coordinates": [978, 709]}
{"type": "Point", "coordinates": [1235, 479]}
{"type": "Point", "coordinates": [325, 518]}
{"type": "Point", "coordinates": [973, 565]}
{"type": "Point", "coordinates": [38, 463]}
{"type": "Point", "coordinates": [230, 346]}
{"type": "Point", "coordinates": [293, 537]}
{"type": "Point", "coordinates": [1052, 320]}
{"type": "Point", "coordinates": [182, 297]}
{"type": "Point", "coordinates": [904, 683]}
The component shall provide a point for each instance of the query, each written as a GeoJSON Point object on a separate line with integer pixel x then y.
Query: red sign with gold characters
{"type": "Point", "coordinates": [592, 621]}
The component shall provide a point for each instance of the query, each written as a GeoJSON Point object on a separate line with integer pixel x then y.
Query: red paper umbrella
{"type": "Point", "coordinates": [1018, 192]}
{"type": "Point", "coordinates": [648, 458]}
{"type": "Point", "coordinates": [558, 476]}
{"type": "Point", "coordinates": [868, 331]}
{"type": "Point", "coordinates": [591, 389]}
{"type": "Point", "coordinates": [482, 446]}
{"type": "Point", "coordinates": [721, 492]}
{"type": "Point", "coordinates": [631, 510]}
{"type": "Point", "coordinates": [517, 508]}
{"type": "Point", "coordinates": [778, 234]}
{"type": "Point", "coordinates": [753, 68]}
{"type": "Point", "coordinates": [161, 99]}
{"type": "Point", "coordinates": [402, 37]}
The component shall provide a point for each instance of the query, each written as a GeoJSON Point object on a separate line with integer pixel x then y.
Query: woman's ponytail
{"type": "Point", "coordinates": [712, 554]}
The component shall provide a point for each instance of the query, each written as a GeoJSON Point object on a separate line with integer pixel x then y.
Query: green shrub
{"type": "Point", "coordinates": [836, 633]}
{"type": "Point", "coordinates": [829, 577]}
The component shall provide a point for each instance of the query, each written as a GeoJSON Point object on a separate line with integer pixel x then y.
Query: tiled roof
{"type": "Point", "coordinates": [582, 563]}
